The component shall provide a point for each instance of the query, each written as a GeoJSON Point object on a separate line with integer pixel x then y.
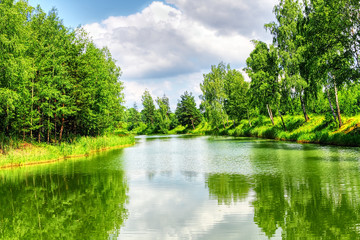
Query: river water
{"type": "Point", "coordinates": [185, 187]}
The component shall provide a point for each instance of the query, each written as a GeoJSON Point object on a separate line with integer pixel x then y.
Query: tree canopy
{"type": "Point", "coordinates": [54, 81]}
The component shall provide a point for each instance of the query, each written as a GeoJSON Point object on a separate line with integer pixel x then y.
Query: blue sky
{"type": "Point", "coordinates": [166, 46]}
{"type": "Point", "coordinates": [79, 12]}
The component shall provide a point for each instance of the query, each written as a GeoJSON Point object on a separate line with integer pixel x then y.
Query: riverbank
{"type": "Point", "coordinates": [31, 154]}
{"type": "Point", "coordinates": [317, 130]}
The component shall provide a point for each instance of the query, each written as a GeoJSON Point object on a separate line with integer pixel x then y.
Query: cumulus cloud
{"type": "Point", "coordinates": [162, 41]}
{"type": "Point", "coordinates": [179, 38]}
{"type": "Point", "coordinates": [195, 219]}
{"type": "Point", "coordinates": [243, 17]}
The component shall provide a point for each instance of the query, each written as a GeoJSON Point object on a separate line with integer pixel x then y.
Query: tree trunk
{"type": "Point", "coordinates": [7, 120]}
{"type": "Point", "coordinates": [62, 126]}
{"type": "Point", "coordinates": [192, 123]}
{"type": "Point", "coordinates": [39, 133]}
{"type": "Point", "coordinates": [270, 113]}
{"type": "Point", "coordinates": [55, 128]}
{"type": "Point", "coordinates": [32, 108]}
{"type": "Point", "coordinates": [282, 120]}
{"type": "Point", "coordinates": [331, 107]}
{"type": "Point", "coordinates": [48, 131]}
{"type": "Point", "coordinates": [222, 119]}
{"type": "Point", "coordinates": [303, 108]}
{"type": "Point", "coordinates": [337, 105]}
{"type": "Point", "coordinates": [249, 118]}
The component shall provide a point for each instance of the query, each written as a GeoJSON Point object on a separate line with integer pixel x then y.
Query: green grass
{"type": "Point", "coordinates": [27, 153]}
{"type": "Point", "coordinates": [178, 130]}
{"type": "Point", "coordinates": [317, 130]}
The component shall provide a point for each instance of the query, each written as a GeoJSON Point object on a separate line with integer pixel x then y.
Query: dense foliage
{"type": "Point", "coordinates": [160, 119]}
{"type": "Point", "coordinates": [186, 111]}
{"type": "Point", "coordinates": [54, 82]}
{"type": "Point", "coordinates": [312, 67]}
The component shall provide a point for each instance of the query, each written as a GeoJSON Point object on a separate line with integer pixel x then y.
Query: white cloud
{"type": "Point", "coordinates": [158, 46]}
{"type": "Point", "coordinates": [196, 215]}
{"type": "Point", "coordinates": [245, 17]}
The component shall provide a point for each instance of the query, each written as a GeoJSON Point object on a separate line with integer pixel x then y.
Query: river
{"type": "Point", "coordinates": [186, 187]}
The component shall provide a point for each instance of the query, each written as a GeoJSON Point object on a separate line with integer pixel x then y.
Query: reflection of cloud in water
{"type": "Point", "coordinates": [167, 208]}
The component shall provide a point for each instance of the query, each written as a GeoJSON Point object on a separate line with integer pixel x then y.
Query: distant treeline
{"type": "Point", "coordinates": [54, 82]}
{"type": "Point", "coordinates": [312, 67]}
{"type": "Point", "coordinates": [161, 120]}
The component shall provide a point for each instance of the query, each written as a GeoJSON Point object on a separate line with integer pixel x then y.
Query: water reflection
{"type": "Point", "coordinates": [189, 188]}
{"type": "Point", "coordinates": [311, 194]}
{"type": "Point", "coordinates": [227, 188]}
{"type": "Point", "coordinates": [59, 202]}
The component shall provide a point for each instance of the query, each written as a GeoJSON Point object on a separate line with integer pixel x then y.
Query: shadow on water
{"type": "Point", "coordinates": [69, 200]}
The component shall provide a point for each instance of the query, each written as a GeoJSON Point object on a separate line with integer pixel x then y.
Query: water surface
{"type": "Point", "coordinates": [181, 187]}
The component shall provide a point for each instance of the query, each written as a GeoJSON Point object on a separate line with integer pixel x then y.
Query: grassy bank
{"type": "Point", "coordinates": [318, 129]}
{"type": "Point", "coordinates": [28, 154]}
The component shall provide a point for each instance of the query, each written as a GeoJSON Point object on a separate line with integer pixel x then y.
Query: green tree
{"type": "Point", "coordinates": [263, 70]}
{"type": "Point", "coordinates": [148, 111]}
{"type": "Point", "coordinates": [186, 111]}
{"type": "Point", "coordinates": [134, 117]}
{"type": "Point", "coordinates": [214, 95]}
{"type": "Point", "coordinates": [236, 89]}
{"type": "Point", "coordinates": [15, 66]}
{"type": "Point", "coordinates": [289, 38]}
{"type": "Point", "coordinates": [54, 81]}
{"type": "Point", "coordinates": [163, 114]}
{"type": "Point", "coordinates": [332, 54]}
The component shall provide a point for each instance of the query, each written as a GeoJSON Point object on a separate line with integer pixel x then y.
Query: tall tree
{"type": "Point", "coordinates": [163, 114]}
{"type": "Point", "coordinates": [54, 81]}
{"type": "Point", "coordinates": [186, 111]}
{"type": "Point", "coordinates": [148, 111]}
{"type": "Point", "coordinates": [288, 37]}
{"type": "Point", "coordinates": [15, 66]}
{"type": "Point", "coordinates": [332, 58]}
{"type": "Point", "coordinates": [236, 89]}
{"type": "Point", "coordinates": [263, 70]}
{"type": "Point", "coordinates": [213, 97]}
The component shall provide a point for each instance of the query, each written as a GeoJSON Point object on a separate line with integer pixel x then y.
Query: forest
{"type": "Point", "coordinates": [55, 83]}
{"type": "Point", "coordinates": [311, 68]}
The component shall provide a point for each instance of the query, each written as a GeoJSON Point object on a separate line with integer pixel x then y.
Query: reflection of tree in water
{"type": "Point", "coordinates": [318, 210]}
{"type": "Point", "coordinates": [71, 206]}
{"type": "Point", "coordinates": [308, 206]}
{"type": "Point", "coordinates": [269, 205]}
{"type": "Point", "coordinates": [190, 176]}
{"type": "Point", "coordinates": [297, 193]}
{"type": "Point", "coordinates": [227, 188]}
